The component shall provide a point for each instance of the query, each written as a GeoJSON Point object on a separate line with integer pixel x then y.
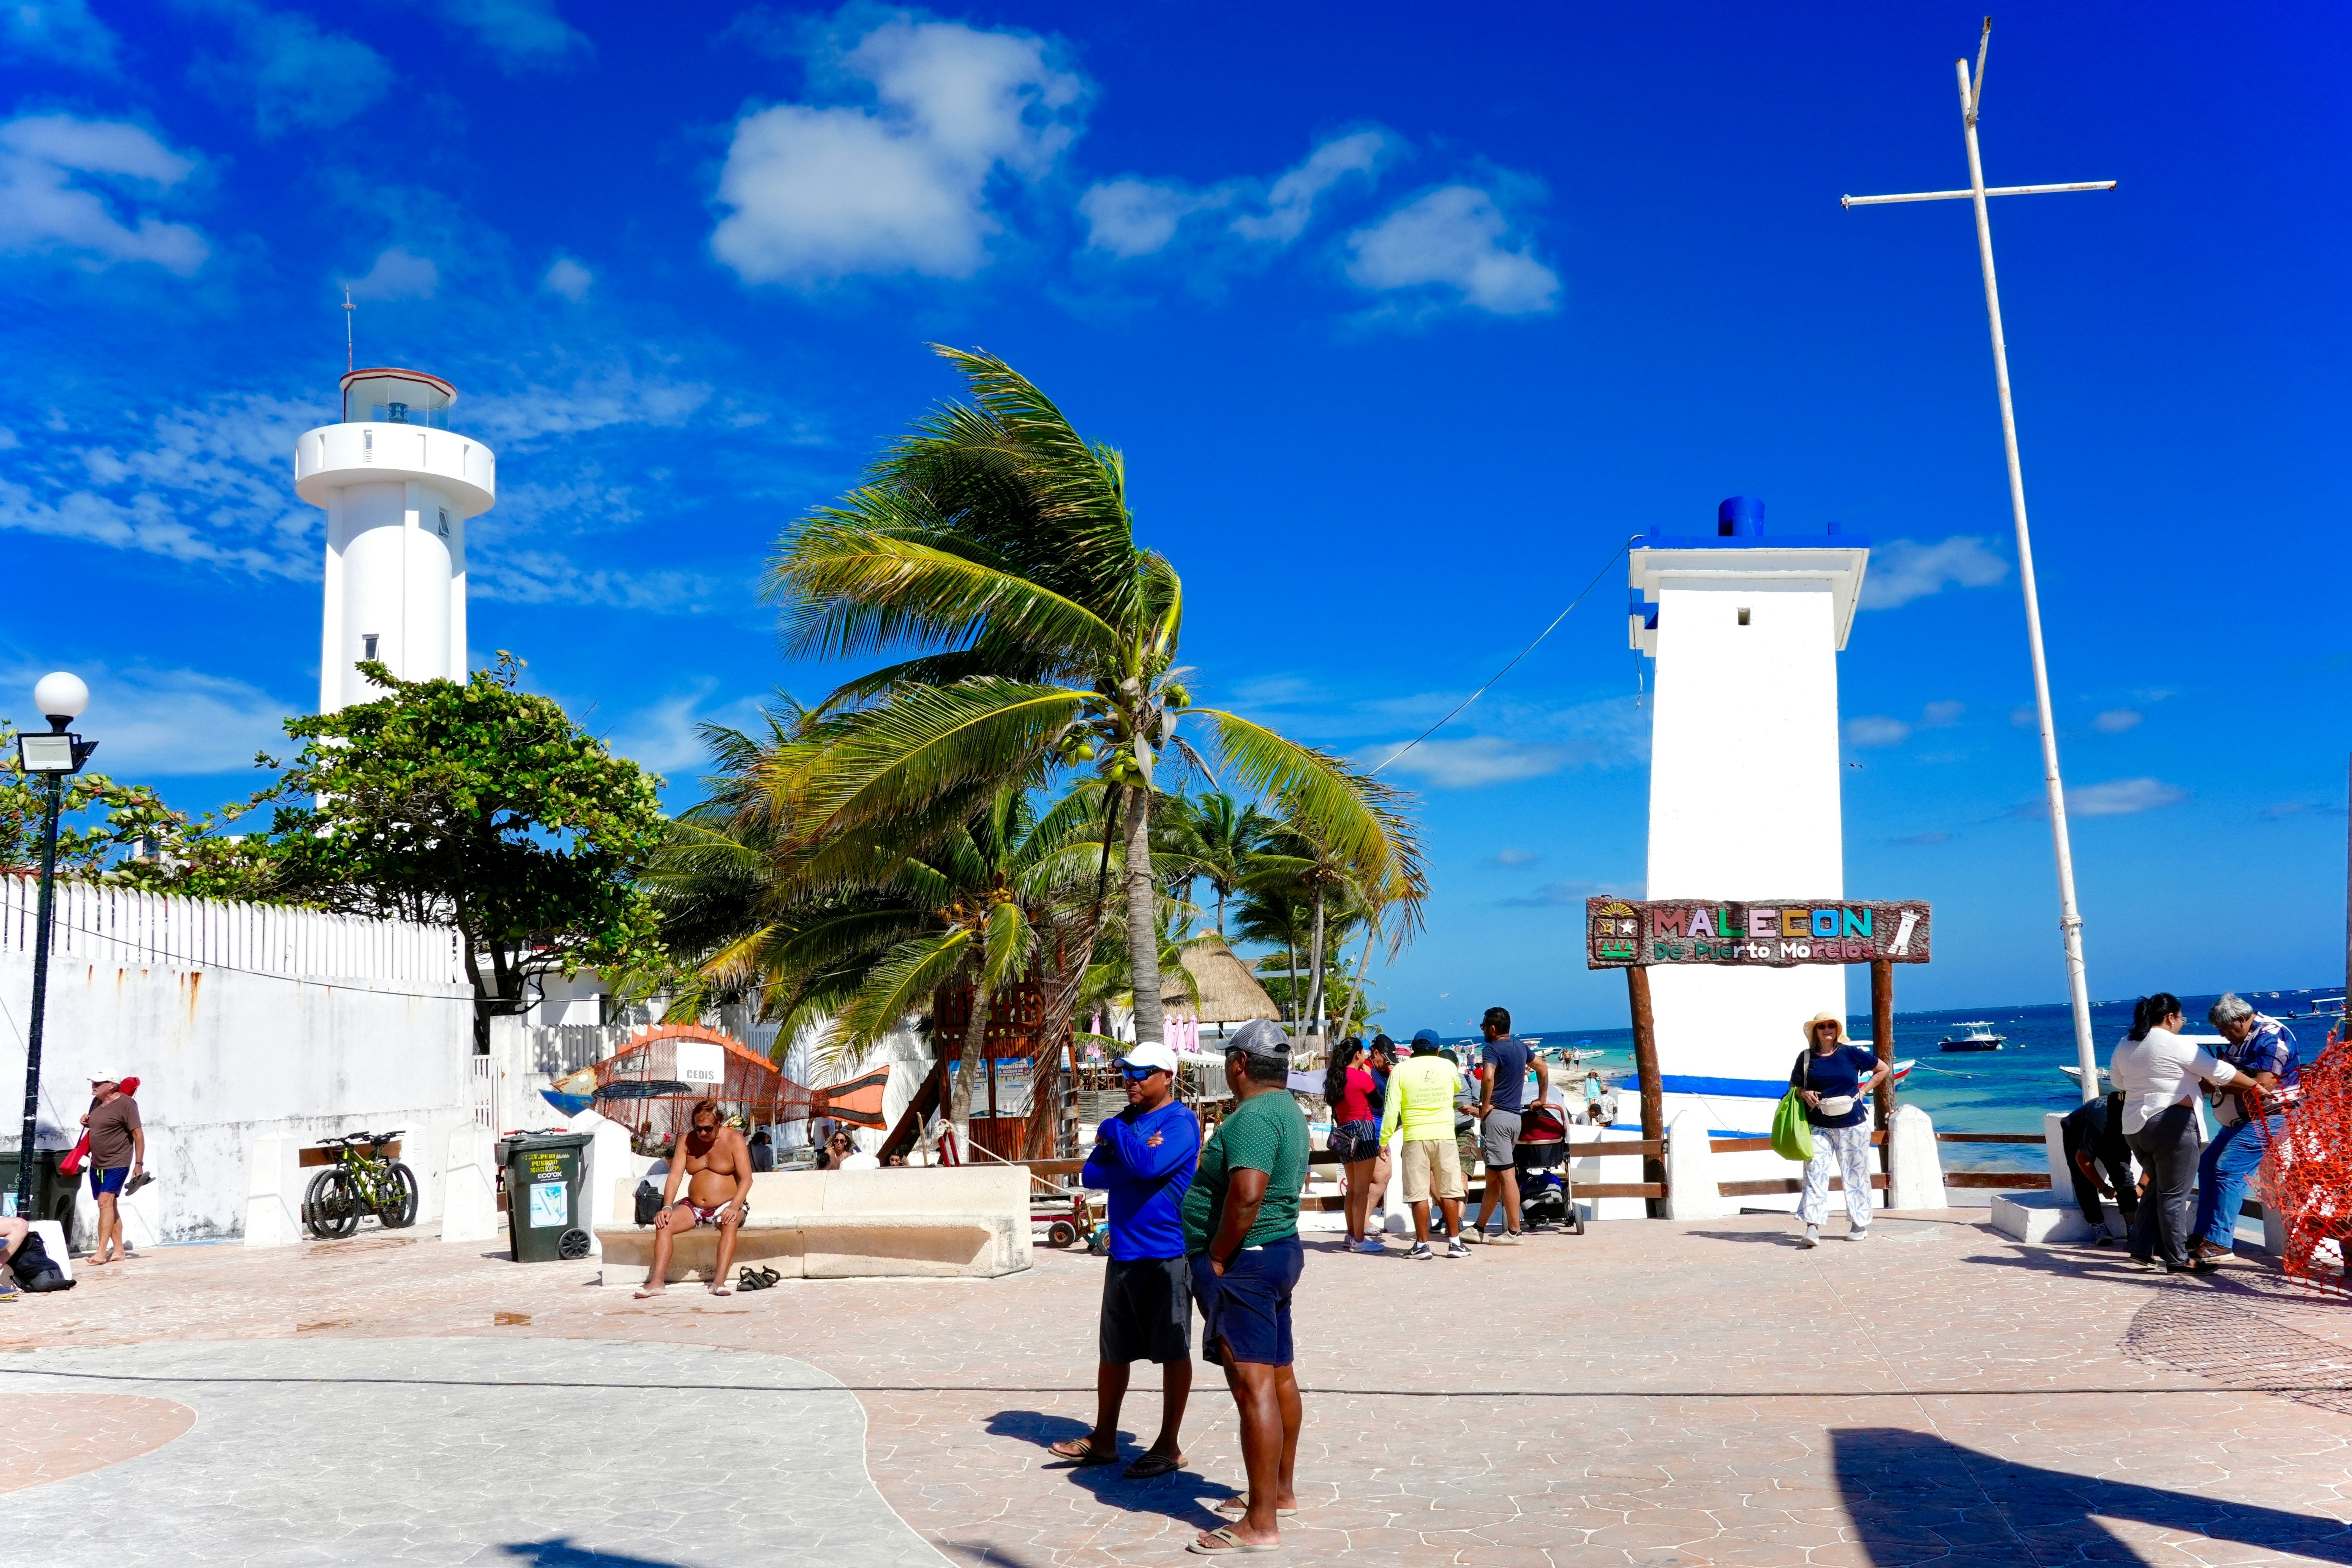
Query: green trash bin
{"type": "Point", "coordinates": [546, 1194]}
{"type": "Point", "coordinates": [53, 1192]}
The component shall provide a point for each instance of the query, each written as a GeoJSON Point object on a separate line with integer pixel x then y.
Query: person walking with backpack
{"type": "Point", "coordinates": [1835, 1080]}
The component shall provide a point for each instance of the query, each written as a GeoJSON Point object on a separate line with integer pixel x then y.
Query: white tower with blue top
{"type": "Point", "coordinates": [398, 486]}
{"type": "Point", "coordinates": [1745, 628]}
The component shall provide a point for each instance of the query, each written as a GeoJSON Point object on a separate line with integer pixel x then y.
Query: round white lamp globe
{"type": "Point", "coordinates": [61, 695]}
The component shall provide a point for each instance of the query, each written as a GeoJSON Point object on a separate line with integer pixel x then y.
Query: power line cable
{"type": "Point", "coordinates": [1507, 669]}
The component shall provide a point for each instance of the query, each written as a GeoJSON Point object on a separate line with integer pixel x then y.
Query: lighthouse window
{"type": "Point", "coordinates": [367, 643]}
{"type": "Point", "coordinates": [1743, 617]}
{"type": "Point", "coordinates": [445, 522]}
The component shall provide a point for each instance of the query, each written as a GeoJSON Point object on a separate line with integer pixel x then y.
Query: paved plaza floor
{"type": "Point", "coordinates": [1650, 1393]}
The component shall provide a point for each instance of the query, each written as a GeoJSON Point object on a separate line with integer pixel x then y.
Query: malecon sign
{"type": "Point", "coordinates": [1622, 932]}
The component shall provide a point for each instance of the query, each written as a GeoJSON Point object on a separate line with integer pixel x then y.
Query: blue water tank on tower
{"type": "Point", "coordinates": [1741, 517]}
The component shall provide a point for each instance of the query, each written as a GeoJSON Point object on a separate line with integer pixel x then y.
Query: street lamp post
{"type": "Point", "coordinates": [59, 698]}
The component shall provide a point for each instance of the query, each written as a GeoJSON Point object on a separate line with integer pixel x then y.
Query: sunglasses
{"type": "Point", "coordinates": [1137, 1074]}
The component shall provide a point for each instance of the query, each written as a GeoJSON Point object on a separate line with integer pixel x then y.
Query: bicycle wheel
{"type": "Point", "coordinates": [396, 1196]}
{"type": "Point", "coordinates": [332, 1209]}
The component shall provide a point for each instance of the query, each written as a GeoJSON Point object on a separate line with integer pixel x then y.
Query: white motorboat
{"type": "Point", "coordinates": [1972, 1035]}
{"type": "Point", "coordinates": [2077, 1073]}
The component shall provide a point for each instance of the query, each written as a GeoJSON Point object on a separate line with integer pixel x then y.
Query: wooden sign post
{"type": "Point", "coordinates": [1645, 1067]}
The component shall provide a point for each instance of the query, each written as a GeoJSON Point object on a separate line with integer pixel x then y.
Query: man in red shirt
{"type": "Point", "coordinates": [118, 1152]}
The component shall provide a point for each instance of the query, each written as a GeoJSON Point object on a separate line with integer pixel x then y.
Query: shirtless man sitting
{"type": "Point", "coordinates": [719, 1194]}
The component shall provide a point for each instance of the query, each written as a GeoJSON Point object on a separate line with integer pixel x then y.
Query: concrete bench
{"type": "Point", "coordinates": [969, 1221]}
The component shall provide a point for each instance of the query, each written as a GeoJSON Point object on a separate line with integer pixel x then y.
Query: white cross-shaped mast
{"type": "Point", "coordinates": [2070, 920]}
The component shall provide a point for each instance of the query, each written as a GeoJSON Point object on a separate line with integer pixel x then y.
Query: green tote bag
{"type": "Point", "coordinates": [1792, 1135]}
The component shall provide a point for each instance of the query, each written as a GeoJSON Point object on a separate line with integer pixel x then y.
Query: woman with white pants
{"type": "Point", "coordinates": [1834, 1080]}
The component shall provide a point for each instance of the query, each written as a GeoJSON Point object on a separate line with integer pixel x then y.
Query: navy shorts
{"type": "Point", "coordinates": [1248, 1307]}
{"type": "Point", "coordinates": [107, 1180]}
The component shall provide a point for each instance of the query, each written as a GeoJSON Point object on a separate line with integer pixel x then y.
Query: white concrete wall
{"type": "Point", "coordinates": [1745, 777]}
{"type": "Point", "coordinates": [229, 1052]}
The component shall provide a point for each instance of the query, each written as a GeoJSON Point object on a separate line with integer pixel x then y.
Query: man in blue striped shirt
{"type": "Point", "coordinates": [2263, 1051]}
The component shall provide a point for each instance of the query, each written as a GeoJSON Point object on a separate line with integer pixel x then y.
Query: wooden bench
{"type": "Point", "coordinates": [932, 1222]}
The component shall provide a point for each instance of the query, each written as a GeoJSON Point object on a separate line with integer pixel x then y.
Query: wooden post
{"type": "Point", "coordinates": [1882, 1032]}
{"type": "Point", "coordinates": [1645, 1064]}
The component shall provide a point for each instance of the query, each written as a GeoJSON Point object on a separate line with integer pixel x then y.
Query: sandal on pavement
{"type": "Point", "coordinates": [1082, 1450]}
{"type": "Point", "coordinates": [1239, 1503]}
{"type": "Point", "coordinates": [1200, 1545]}
{"type": "Point", "coordinates": [1150, 1467]}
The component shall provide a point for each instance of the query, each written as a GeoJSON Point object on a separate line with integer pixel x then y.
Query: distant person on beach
{"type": "Point", "coordinates": [1350, 1091]}
{"type": "Point", "coordinates": [715, 1163]}
{"type": "Point", "coordinates": [1381, 1059]}
{"type": "Point", "coordinates": [1420, 1105]}
{"type": "Point", "coordinates": [1834, 1080]}
{"type": "Point", "coordinates": [118, 1153]}
{"type": "Point", "coordinates": [2253, 1120]}
{"type": "Point", "coordinates": [1502, 1101]}
{"type": "Point", "coordinates": [763, 1153]}
{"type": "Point", "coordinates": [1241, 1234]}
{"type": "Point", "coordinates": [1143, 1157]}
{"type": "Point", "coordinates": [2091, 1136]}
{"type": "Point", "coordinates": [2159, 1073]}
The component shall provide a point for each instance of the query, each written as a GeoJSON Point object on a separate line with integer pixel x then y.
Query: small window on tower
{"type": "Point", "coordinates": [367, 645]}
{"type": "Point", "coordinates": [445, 522]}
{"type": "Point", "coordinates": [1743, 615]}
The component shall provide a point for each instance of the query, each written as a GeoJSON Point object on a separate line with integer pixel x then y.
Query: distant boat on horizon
{"type": "Point", "coordinates": [1972, 1035]}
{"type": "Point", "coordinates": [2077, 1073]}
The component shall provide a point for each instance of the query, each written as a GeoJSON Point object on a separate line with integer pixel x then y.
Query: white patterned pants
{"type": "Point", "coordinates": [1838, 1151]}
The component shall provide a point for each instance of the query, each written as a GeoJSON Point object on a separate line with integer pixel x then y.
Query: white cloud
{"type": "Point", "coordinates": [48, 164]}
{"type": "Point", "coordinates": [294, 76]}
{"type": "Point", "coordinates": [1877, 730]}
{"type": "Point", "coordinates": [1903, 570]}
{"type": "Point", "coordinates": [2115, 721]}
{"type": "Point", "coordinates": [596, 399]}
{"type": "Point", "coordinates": [1554, 895]}
{"type": "Point", "coordinates": [568, 278]}
{"type": "Point", "coordinates": [1942, 715]}
{"type": "Point", "coordinates": [521, 33]}
{"type": "Point", "coordinates": [1511, 856]}
{"type": "Point", "coordinates": [2025, 718]}
{"type": "Point", "coordinates": [542, 577]}
{"type": "Point", "coordinates": [821, 193]}
{"type": "Point", "coordinates": [1470, 762]}
{"type": "Point", "coordinates": [1290, 201]}
{"type": "Point", "coordinates": [398, 274]}
{"type": "Point", "coordinates": [1128, 217]}
{"type": "Point", "coordinates": [2118, 797]}
{"type": "Point", "coordinates": [62, 31]}
{"type": "Point", "coordinates": [1455, 241]}
{"type": "Point", "coordinates": [171, 723]}
{"type": "Point", "coordinates": [667, 735]}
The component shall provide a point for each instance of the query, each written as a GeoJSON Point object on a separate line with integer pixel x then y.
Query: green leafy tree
{"type": "Point", "coordinates": [1211, 838]}
{"type": "Point", "coordinates": [480, 806]}
{"type": "Point", "coordinates": [994, 544]}
{"type": "Point", "coordinates": [126, 834]}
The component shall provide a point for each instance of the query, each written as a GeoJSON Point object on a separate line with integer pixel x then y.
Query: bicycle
{"type": "Point", "coordinates": [361, 1181]}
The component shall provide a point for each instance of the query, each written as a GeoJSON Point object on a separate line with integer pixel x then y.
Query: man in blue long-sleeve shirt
{"type": "Point", "coordinates": [1144, 1156]}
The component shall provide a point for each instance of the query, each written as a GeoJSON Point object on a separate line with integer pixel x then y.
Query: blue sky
{"type": "Point", "coordinates": [1404, 320]}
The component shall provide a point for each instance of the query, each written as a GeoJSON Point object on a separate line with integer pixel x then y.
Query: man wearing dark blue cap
{"type": "Point", "coordinates": [1241, 1230]}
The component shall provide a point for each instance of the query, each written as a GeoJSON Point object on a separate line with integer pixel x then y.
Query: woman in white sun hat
{"type": "Point", "coordinates": [1834, 1080]}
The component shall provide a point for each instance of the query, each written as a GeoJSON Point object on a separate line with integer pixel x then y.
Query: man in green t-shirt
{"type": "Point", "coordinates": [1241, 1234]}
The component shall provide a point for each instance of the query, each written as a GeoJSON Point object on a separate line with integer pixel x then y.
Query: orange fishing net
{"type": "Point", "coordinates": [2310, 1175]}
{"type": "Point", "coordinates": [640, 1086]}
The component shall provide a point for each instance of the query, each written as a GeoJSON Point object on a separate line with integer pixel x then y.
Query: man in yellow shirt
{"type": "Point", "coordinates": [1421, 1101]}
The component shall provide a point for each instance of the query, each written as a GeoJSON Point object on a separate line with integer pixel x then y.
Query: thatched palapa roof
{"type": "Point", "coordinates": [1229, 992]}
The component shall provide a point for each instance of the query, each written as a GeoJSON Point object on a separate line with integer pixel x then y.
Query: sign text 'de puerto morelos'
{"type": "Point", "coordinates": [1621, 932]}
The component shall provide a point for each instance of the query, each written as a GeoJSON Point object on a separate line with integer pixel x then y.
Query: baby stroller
{"type": "Point", "coordinates": [1546, 1196]}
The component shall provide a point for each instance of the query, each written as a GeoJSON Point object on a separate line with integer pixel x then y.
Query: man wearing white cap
{"type": "Point", "coordinates": [1144, 1156]}
{"type": "Point", "coordinates": [118, 1152]}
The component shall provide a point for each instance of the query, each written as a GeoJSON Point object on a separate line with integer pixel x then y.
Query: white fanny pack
{"type": "Point", "coordinates": [1836, 1104]}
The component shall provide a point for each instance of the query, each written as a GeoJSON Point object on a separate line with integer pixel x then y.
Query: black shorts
{"type": "Point", "coordinates": [1147, 1310]}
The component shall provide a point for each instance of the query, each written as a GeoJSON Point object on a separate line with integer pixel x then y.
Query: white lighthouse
{"type": "Point", "coordinates": [1744, 779]}
{"type": "Point", "coordinates": [398, 486]}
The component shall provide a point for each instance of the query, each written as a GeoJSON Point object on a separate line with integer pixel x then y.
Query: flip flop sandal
{"type": "Point", "coordinates": [1151, 1467]}
{"type": "Point", "coordinates": [751, 1279]}
{"type": "Point", "coordinates": [1199, 1545]}
{"type": "Point", "coordinates": [769, 1277]}
{"type": "Point", "coordinates": [1081, 1452]}
{"type": "Point", "coordinates": [1239, 1503]}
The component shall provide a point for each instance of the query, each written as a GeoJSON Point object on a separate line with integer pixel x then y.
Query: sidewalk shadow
{"type": "Point", "coordinates": [1184, 1494]}
{"type": "Point", "coordinates": [559, 1552]}
{"type": "Point", "coordinates": [1915, 1498]}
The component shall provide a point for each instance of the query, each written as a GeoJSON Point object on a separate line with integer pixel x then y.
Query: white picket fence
{"type": "Point", "coordinates": [100, 924]}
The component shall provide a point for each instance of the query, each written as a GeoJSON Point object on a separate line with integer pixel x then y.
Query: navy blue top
{"type": "Point", "coordinates": [1507, 1063]}
{"type": "Point", "coordinates": [1146, 1160]}
{"type": "Point", "coordinates": [1840, 1072]}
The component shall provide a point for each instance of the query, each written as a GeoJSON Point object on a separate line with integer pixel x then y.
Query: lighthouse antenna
{"type": "Point", "coordinates": [348, 308]}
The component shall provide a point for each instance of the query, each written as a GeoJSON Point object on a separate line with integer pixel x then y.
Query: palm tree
{"type": "Point", "coordinates": [1214, 837]}
{"type": "Point", "coordinates": [994, 545]}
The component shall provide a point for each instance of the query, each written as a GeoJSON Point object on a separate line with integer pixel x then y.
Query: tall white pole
{"type": "Point", "coordinates": [2070, 920]}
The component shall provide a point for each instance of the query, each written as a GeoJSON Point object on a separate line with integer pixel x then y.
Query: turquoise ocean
{"type": "Point", "coordinates": [1989, 1091]}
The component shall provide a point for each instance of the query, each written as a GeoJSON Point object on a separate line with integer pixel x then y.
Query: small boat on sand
{"type": "Point", "coordinates": [1971, 1034]}
{"type": "Point", "coordinates": [2077, 1073]}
